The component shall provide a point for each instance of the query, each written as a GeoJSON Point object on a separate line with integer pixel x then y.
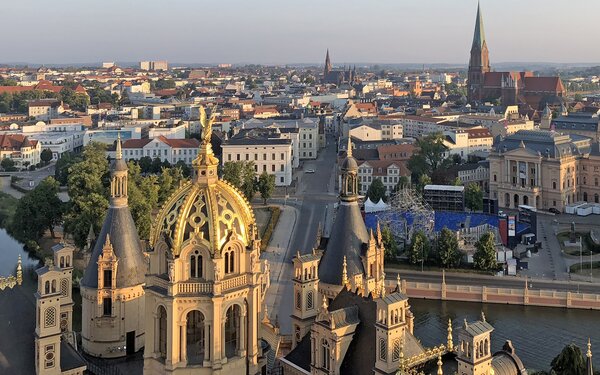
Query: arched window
{"type": "Point", "coordinates": [162, 332]}
{"type": "Point", "coordinates": [64, 287]}
{"type": "Point", "coordinates": [232, 327]}
{"type": "Point", "coordinates": [53, 286]}
{"type": "Point", "coordinates": [298, 300]}
{"type": "Point", "coordinates": [554, 185]}
{"type": "Point", "coordinates": [229, 260]}
{"type": "Point", "coordinates": [309, 301]}
{"type": "Point", "coordinates": [195, 265]}
{"type": "Point", "coordinates": [62, 262]}
{"type": "Point", "coordinates": [596, 198]}
{"type": "Point", "coordinates": [585, 196]}
{"type": "Point", "coordinates": [68, 262]}
{"type": "Point", "coordinates": [325, 355]}
{"type": "Point", "coordinates": [382, 350]}
{"type": "Point", "coordinates": [194, 337]}
{"type": "Point", "coordinates": [47, 287]}
{"type": "Point", "coordinates": [396, 350]}
{"type": "Point", "coordinates": [50, 317]}
{"type": "Point", "coordinates": [297, 334]}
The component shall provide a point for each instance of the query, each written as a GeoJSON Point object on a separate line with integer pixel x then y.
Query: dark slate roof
{"type": "Point", "coordinates": [348, 237]}
{"type": "Point", "coordinates": [300, 356]}
{"type": "Point", "coordinates": [126, 245]}
{"type": "Point", "coordinates": [345, 316]}
{"type": "Point", "coordinates": [478, 327]}
{"type": "Point", "coordinates": [506, 361]}
{"type": "Point", "coordinates": [545, 143]}
{"type": "Point", "coordinates": [69, 358]}
{"type": "Point", "coordinates": [577, 121]}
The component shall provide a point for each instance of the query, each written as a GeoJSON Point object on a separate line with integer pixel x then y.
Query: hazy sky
{"type": "Point", "coordinates": [288, 31]}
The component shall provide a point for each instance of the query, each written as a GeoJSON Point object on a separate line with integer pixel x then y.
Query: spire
{"type": "Point", "coordinates": [19, 271]}
{"type": "Point", "coordinates": [327, 63]}
{"type": "Point", "coordinates": [349, 148]}
{"type": "Point", "coordinates": [483, 316]}
{"type": "Point", "coordinates": [379, 238]}
{"type": "Point", "coordinates": [398, 283]}
{"type": "Point", "coordinates": [479, 35]}
{"type": "Point", "coordinates": [450, 343]}
{"type": "Point", "coordinates": [344, 272]}
{"type": "Point", "coordinates": [205, 164]}
{"type": "Point", "coordinates": [440, 371]}
{"type": "Point", "coordinates": [589, 368]}
{"type": "Point", "coordinates": [118, 152]}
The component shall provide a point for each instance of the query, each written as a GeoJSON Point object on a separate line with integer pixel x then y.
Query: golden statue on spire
{"type": "Point", "coordinates": [206, 122]}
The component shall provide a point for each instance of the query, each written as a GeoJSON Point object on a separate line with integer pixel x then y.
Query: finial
{"type": "Point", "coordinates": [107, 241]}
{"type": "Point", "coordinates": [379, 237]}
{"type": "Point", "coordinates": [118, 151]}
{"type": "Point", "coordinates": [482, 316]}
{"type": "Point", "coordinates": [589, 349]}
{"type": "Point", "coordinates": [19, 271]}
{"type": "Point", "coordinates": [398, 283]}
{"type": "Point", "coordinates": [371, 235]}
{"type": "Point", "coordinates": [450, 343]}
{"type": "Point", "coordinates": [439, 364]}
{"type": "Point", "coordinates": [324, 305]}
{"type": "Point", "coordinates": [344, 273]}
{"type": "Point", "coordinates": [465, 324]}
{"type": "Point", "coordinates": [349, 149]}
{"type": "Point", "coordinates": [298, 254]}
{"type": "Point", "coordinates": [266, 315]}
{"type": "Point", "coordinates": [382, 293]}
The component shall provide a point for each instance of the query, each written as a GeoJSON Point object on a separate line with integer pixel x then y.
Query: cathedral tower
{"type": "Point", "coordinates": [112, 285]}
{"type": "Point", "coordinates": [328, 67]}
{"type": "Point", "coordinates": [206, 283]}
{"type": "Point", "coordinates": [479, 63]}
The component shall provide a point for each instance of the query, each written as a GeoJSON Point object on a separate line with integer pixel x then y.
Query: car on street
{"type": "Point", "coordinates": [310, 170]}
{"type": "Point", "coordinates": [554, 210]}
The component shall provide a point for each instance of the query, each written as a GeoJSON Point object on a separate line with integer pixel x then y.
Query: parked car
{"type": "Point", "coordinates": [554, 210]}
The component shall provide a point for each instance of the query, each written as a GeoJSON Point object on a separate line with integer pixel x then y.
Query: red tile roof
{"type": "Point", "coordinates": [14, 142]}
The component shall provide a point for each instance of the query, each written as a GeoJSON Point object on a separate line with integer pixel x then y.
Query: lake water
{"type": "Point", "coordinates": [538, 334]}
{"type": "Point", "coordinates": [10, 249]}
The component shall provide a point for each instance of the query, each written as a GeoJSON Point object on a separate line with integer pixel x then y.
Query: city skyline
{"type": "Point", "coordinates": [115, 31]}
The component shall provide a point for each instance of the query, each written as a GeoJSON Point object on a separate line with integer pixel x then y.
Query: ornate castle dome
{"type": "Point", "coordinates": [214, 212]}
{"type": "Point", "coordinates": [206, 208]}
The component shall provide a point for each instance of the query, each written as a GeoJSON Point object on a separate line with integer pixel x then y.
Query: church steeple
{"type": "Point", "coordinates": [479, 62]}
{"type": "Point", "coordinates": [118, 181]}
{"type": "Point", "coordinates": [327, 68]}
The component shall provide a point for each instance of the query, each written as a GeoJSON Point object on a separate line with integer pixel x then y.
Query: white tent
{"type": "Point", "coordinates": [375, 207]}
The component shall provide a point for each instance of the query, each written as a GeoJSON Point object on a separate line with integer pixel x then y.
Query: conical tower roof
{"type": "Point", "coordinates": [479, 35]}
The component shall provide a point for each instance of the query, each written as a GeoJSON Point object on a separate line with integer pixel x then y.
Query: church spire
{"type": "Point", "coordinates": [118, 152]}
{"type": "Point", "coordinates": [118, 181]}
{"type": "Point", "coordinates": [327, 63]}
{"type": "Point", "coordinates": [479, 35]}
{"type": "Point", "coordinates": [349, 148]}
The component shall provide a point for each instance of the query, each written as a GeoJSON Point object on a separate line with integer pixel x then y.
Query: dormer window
{"type": "Point", "coordinates": [107, 278]}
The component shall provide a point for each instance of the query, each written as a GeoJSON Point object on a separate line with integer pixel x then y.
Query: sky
{"type": "Point", "coordinates": [288, 31]}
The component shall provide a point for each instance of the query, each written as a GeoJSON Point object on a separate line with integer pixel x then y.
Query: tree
{"type": "Point", "coordinates": [474, 197]}
{"type": "Point", "coordinates": [389, 243]}
{"type": "Point", "coordinates": [429, 157]}
{"type": "Point", "coordinates": [7, 164]}
{"type": "Point", "coordinates": [376, 190]}
{"type": "Point", "coordinates": [485, 253]}
{"type": "Point", "coordinates": [457, 182]}
{"type": "Point", "coordinates": [168, 182]}
{"type": "Point", "coordinates": [61, 169]}
{"type": "Point", "coordinates": [419, 248]}
{"type": "Point", "coordinates": [46, 155]}
{"type": "Point", "coordinates": [570, 361]}
{"type": "Point", "coordinates": [184, 168]}
{"type": "Point", "coordinates": [422, 182]}
{"type": "Point", "coordinates": [447, 249]}
{"type": "Point", "coordinates": [142, 196]}
{"type": "Point", "coordinates": [156, 166]}
{"type": "Point", "coordinates": [145, 163]}
{"type": "Point", "coordinates": [38, 211]}
{"type": "Point", "coordinates": [266, 186]}
{"type": "Point", "coordinates": [87, 185]}
{"type": "Point", "coordinates": [241, 174]}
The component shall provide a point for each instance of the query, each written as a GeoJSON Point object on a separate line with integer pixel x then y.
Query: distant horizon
{"type": "Point", "coordinates": [275, 32]}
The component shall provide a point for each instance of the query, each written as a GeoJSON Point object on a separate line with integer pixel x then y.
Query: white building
{"type": "Point", "coordinates": [376, 130]}
{"type": "Point", "coordinates": [170, 150]}
{"type": "Point", "coordinates": [268, 149]}
{"type": "Point", "coordinates": [21, 149]}
{"type": "Point", "coordinates": [59, 142]}
{"type": "Point", "coordinates": [308, 133]}
{"type": "Point", "coordinates": [465, 142]}
{"type": "Point", "coordinates": [419, 126]}
{"type": "Point", "coordinates": [45, 109]}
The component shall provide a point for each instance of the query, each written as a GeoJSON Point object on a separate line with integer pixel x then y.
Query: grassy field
{"type": "Point", "coordinates": [574, 250]}
{"type": "Point", "coordinates": [575, 268]}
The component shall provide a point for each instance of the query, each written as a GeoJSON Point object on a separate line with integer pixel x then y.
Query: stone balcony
{"type": "Point", "coordinates": [197, 286]}
{"type": "Point", "coordinates": [518, 188]}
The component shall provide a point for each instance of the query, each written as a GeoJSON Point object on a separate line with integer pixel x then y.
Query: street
{"type": "Point", "coordinates": [313, 205]}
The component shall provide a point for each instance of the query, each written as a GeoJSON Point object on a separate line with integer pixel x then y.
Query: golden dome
{"type": "Point", "coordinates": [214, 212]}
{"type": "Point", "coordinates": [206, 208]}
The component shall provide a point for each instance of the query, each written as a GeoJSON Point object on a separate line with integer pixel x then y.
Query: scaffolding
{"type": "Point", "coordinates": [408, 214]}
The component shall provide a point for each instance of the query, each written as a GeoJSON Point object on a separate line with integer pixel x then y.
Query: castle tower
{"type": "Point", "coordinates": [54, 314]}
{"type": "Point", "coordinates": [474, 352]}
{"type": "Point", "coordinates": [392, 326]}
{"type": "Point", "coordinates": [206, 284]}
{"type": "Point", "coordinates": [479, 62]}
{"type": "Point", "coordinates": [350, 245]}
{"type": "Point", "coordinates": [546, 120]}
{"type": "Point", "coordinates": [306, 294]}
{"type": "Point", "coordinates": [112, 288]}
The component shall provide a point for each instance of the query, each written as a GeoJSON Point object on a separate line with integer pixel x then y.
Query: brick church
{"type": "Point", "coordinates": [511, 88]}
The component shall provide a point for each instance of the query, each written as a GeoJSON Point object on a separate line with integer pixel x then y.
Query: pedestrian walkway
{"type": "Point", "coordinates": [278, 255]}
